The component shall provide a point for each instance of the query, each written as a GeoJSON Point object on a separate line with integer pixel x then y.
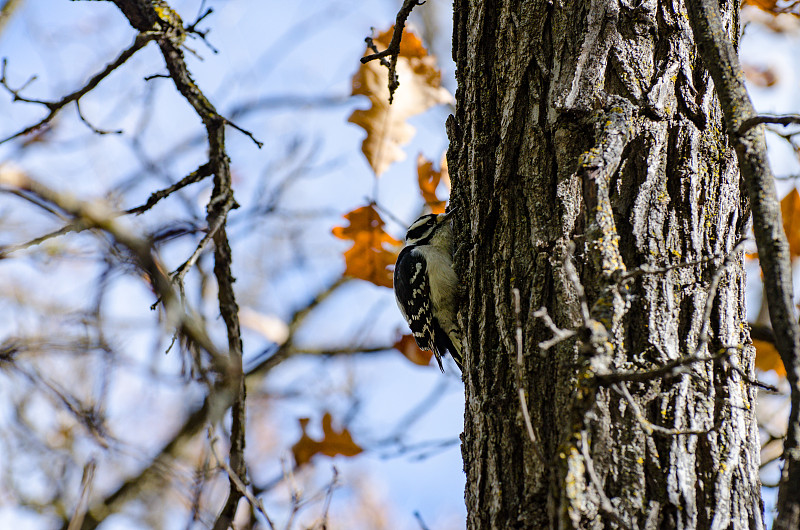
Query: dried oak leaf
{"type": "Point", "coordinates": [408, 347]}
{"type": "Point", "coordinates": [429, 180]}
{"type": "Point", "coordinates": [337, 443]}
{"type": "Point", "coordinates": [420, 89]}
{"type": "Point", "coordinates": [768, 358]}
{"type": "Point", "coordinates": [761, 76]}
{"type": "Point", "coordinates": [306, 447]}
{"type": "Point", "coordinates": [790, 212]}
{"type": "Point", "coordinates": [772, 6]}
{"type": "Point", "coordinates": [778, 23]}
{"type": "Point", "coordinates": [374, 250]}
{"type": "Point", "coordinates": [333, 443]}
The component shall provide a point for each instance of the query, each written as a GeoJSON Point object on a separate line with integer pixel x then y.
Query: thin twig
{"type": "Point", "coordinates": [179, 273]}
{"type": "Point", "coordinates": [79, 226]}
{"type": "Point", "coordinates": [754, 121]}
{"type": "Point", "coordinates": [425, 404]}
{"type": "Point", "coordinates": [200, 476]}
{"type": "Point", "coordinates": [100, 216]}
{"type": "Point", "coordinates": [294, 491]}
{"type": "Point", "coordinates": [712, 294]}
{"type": "Point", "coordinates": [397, 36]}
{"type": "Point", "coordinates": [559, 335]}
{"type": "Point", "coordinates": [747, 379]}
{"type": "Point", "coordinates": [192, 30]}
{"type": "Point", "coordinates": [213, 404]}
{"type": "Point", "coordinates": [648, 426]}
{"type": "Point", "coordinates": [195, 176]}
{"type": "Point", "coordinates": [418, 517]}
{"type": "Point", "coordinates": [92, 127]}
{"type": "Point", "coordinates": [86, 486]}
{"type": "Point", "coordinates": [329, 497]}
{"type": "Point", "coordinates": [236, 479]}
{"type": "Point", "coordinates": [394, 46]}
{"type": "Point", "coordinates": [605, 503]}
{"type": "Point", "coordinates": [388, 213]}
{"type": "Point", "coordinates": [420, 450]}
{"type": "Point", "coordinates": [523, 402]}
{"type": "Point", "coordinates": [648, 269]}
{"type": "Point", "coordinates": [671, 369]}
{"type": "Point", "coordinates": [245, 132]}
{"type": "Point", "coordinates": [572, 276]}
{"type": "Point", "coordinates": [54, 106]}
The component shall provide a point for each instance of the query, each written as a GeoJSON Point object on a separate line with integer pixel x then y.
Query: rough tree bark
{"type": "Point", "coordinates": [594, 123]}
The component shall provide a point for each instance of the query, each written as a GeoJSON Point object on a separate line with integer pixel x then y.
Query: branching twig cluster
{"type": "Point", "coordinates": [393, 50]}
{"type": "Point", "coordinates": [220, 369]}
{"type": "Point", "coordinates": [53, 107]}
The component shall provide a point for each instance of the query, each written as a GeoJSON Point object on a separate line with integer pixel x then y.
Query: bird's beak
{"type": "Point", "coordinates": [446, 216]}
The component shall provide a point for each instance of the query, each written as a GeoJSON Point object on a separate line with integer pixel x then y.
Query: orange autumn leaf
{"type": "Point", "coordinates": [772, 7]}
{"type": "Point", "coordinates": [333, 443]}
{"type": "Point", "coordinates": [420, 89]}
{"type": "Point", "coordinates": [410, 44]}
{"type": "Point", "coordinates": [408, 347]}
{"type": "Point", "coordinates": [768, 358]}
{"type": "Point", "coordinates": [337, 443]}
{"type": "Point", "coordinates": [306, 447]}
{"type": "Point", "coordinates": [374, 250]}
{"type": "Point", "coordinates": [428, 182]}
{"type": "Point", "coordinates": [766, 5]}
{"type": "Point", "coordinates": [790, 212]}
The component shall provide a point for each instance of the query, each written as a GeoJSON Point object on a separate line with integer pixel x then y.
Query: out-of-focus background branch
{"type": "Point", "coordinates": [180, 346]}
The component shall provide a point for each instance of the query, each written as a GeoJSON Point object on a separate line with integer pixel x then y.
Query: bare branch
{"type": "Point", "coordinates": [671, 369]}
{"type": "Point", "coordinates": [649, 269]}
{"type": "Point", "coordinates": [98, 215]}
{"type": "Point", "coordinates": [754, 121]}
{"type": "Point", "coordinates": [721, 59]}
{"type": "Point", "coordinates": [572, 276]}
{"type": "Point", "coordinates": [145, 18]}
{"type": "Point", "coordinates": [559, 335]}
{"type": "Point", "coordinates": [394, 46]}
{"type": "Point", "coordinates": [181, 271]}
{"type": "Point", "coordinates": [245, 132]}
{"type": "Point", "coordinates": [329, 497]}
{"type": "Point", "coordinates": [54, 106]}
{"type": "Point", "coordinates": [86, 485]}
{"type": "Point", "coordinates": [236, 479]}
{"type": "Point", "coordinates": [195, 176]}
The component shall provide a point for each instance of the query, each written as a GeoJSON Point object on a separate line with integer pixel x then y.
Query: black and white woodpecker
{"type": "Point", "coordinates": [426, 286]}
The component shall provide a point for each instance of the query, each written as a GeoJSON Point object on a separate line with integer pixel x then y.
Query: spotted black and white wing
{"type": "Point", "coordinates": [412, 292]}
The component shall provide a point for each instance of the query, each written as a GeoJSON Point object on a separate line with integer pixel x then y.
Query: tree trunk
{"type": "Point", "coordinates": [593, 124]}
